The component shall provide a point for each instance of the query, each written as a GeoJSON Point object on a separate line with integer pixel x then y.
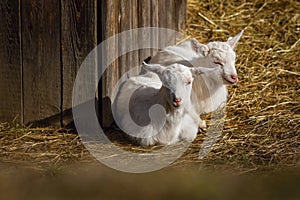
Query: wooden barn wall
{"type": "Point", "coordinates": [43, 43]}
{"type": "Point", "coordinates": [10, 61]}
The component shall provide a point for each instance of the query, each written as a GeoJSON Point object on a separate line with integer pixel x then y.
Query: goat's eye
{"type": "Point", "coordinates": [189, 82]}
{"type": "Point", "coordinates": [219, 63]}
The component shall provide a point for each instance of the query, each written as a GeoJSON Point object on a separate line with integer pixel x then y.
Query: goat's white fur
{"type": "Point", "coordinates": [131, 107]}
{"type": "Point", "coordinates": [209, 90]}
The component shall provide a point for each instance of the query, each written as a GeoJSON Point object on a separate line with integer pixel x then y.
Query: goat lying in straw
{"type": "Point", "coordinates": [209, 90]}
{"type": "Point", "coordinates": [158, 111]}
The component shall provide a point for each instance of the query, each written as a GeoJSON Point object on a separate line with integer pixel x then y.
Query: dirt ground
{"type": "Point", "coordinates": [257, 155]}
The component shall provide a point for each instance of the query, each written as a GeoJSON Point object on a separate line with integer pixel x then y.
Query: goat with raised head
{"type": "Point", "coordinates": [209, 90]}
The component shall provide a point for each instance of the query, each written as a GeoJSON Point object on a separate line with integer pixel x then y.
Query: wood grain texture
{"type": "Point", "coordinates": [10, 62]}
{"type": "Point", "coordinates": [144, 20]}
{"type": "Point", "coordinates": [154, 22]}
{"type": "Point", "coordinates": [41, 59]}
{"type": "Point", "coordinates": [43, 44]}
{"type": "Point", "coordinates": [169, 10]}
{"type": "Point", "coordinates": [162, 19]}
{"type": "Point", "coordinates": [132, 62]}
{"type": "Point", "coordinates": [130, 14]}
{"type": "Point", "coordinates": [171, 19]}
{"type": "Point", "coordinates": [110, 26]}
{"type": "Point", "coordinates": [135, 59]}
{"type": "Point", "coordinates": [79, 37]}
{"type": "Point", "coordinates": [126, 39]}
{"type": "Point", "coordinates": [121, 45]}
{"type": "Point", "coordinates": [180, 13]}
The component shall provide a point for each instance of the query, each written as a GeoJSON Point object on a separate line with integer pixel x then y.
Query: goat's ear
{"type": "Point", "coordinates": [232, 41]}
{"type": "Point", "coordinates": [199, 48]}
{"type": "Point", "coordinates": [147, 60]}
{"type": "Point", "coordinates": [201, 70]}
{"type": "Point", "coordinates": [156, 68]}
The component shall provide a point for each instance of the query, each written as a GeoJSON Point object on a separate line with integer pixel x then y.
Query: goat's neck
{"type": "Point", "coordinates": [214, 81]}
{"type": "Point", "coordinates": [201, 61]}
{"type": "Point", "coordinates": [210, 83]}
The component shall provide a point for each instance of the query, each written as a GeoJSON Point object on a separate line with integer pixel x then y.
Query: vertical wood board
{"type": "Point", "coordinates": [10, 62]}
{"type": "Point", "coordinates": [79, 38]}
{"type": "Point", "coordinates": [41, 59]}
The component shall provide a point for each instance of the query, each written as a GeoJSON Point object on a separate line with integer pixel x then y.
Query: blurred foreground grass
{"type": "Point", "coordinates": [257, 156]}
{"type": "Point", "coordinates": [93, 181]}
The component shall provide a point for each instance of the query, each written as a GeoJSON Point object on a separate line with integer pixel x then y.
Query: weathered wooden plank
{"type": "Point", "coordinates": [144, 20]}
{"type": "Point", "coordinates": [162, 19]}
{"type": "Point", "coordinates": [133, 57]}
{"type": "Point", "coordinates": [121, 15]}
{"type": "Point", "coordinates": [124, 25]}
{"type": "Point", "coordinates": [41, 59]}
{"type": "Point", "coordinates": [171, 17]}
{"type": "Point", "coordinates": [128, 22]}
{"type": "Point", "coordinates": [10, 60]}
{"type": "Point", "coordinates": [109, 26]}
{"type": "Point", "coordinates": [109, 21]}
{"type": "Point", "coordinates": [79, 37]}
{"type": "Point", "coordinates": [180, 13]}
{"type": "Point", "coordinates": [129, 9]}
{"type": "Point", "coordinates": [135, 62]}
{"type": "Point", "coordinates": [167, 20]}
{"type": "Point", "coordinates": [154, 23]}
{"type": "Point", "coordinates": [180, 20]}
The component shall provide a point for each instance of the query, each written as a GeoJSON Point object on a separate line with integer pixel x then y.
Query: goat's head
{"type": "Point", "coordinates": [220, 55]}
{"type": "Point", "coordinates": [176, 82]}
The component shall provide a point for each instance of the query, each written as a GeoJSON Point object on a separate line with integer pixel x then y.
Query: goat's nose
{"type": "Point", "coordinates": [234, 78]}
{"type": "Point", "coordinates": [177, 100]}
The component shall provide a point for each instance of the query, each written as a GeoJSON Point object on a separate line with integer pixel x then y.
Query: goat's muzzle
{"type": "Point", "coordinates": [177, 102]}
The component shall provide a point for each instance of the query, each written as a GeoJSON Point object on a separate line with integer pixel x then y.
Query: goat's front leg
{"type": "Point", "coordinates": [197, 119]}
{"type": "Point", "coordinates": [189, 126]}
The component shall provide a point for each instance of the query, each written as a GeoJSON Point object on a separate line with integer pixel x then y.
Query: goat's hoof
{"type": "Point", "coordinates": [202, 125]}
{"type": "Point", "coordinates": [202, 129]}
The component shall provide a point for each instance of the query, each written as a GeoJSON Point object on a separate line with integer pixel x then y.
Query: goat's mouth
{"type": "Point", "coordinates": [176, 104]}
{"type": "Point", "coordinates": [229, 81]}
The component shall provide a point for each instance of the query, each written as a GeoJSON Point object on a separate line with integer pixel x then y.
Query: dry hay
{"type": "Point", "coordinates": [263, 112]}
{"type": "Point", "coordinates": [40, 146]}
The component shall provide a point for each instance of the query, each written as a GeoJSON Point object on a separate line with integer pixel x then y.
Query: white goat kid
{"type": "Point", "coordinates": [172, 120]}
{"type": "Point", "coordinates": [209, 90]}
